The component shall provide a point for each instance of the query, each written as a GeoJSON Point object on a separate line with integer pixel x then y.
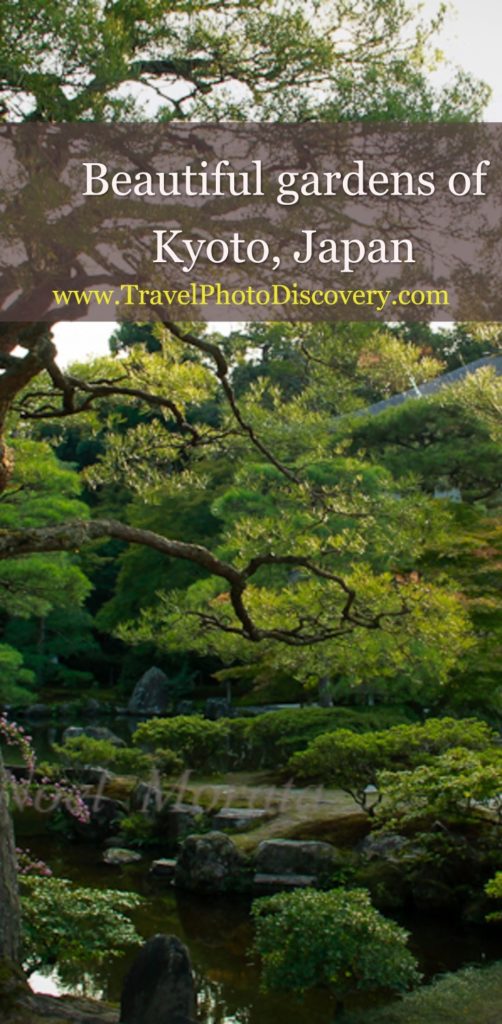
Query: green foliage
{"type": "Point", "coordinates": [42, 491]}
{"type": "Point", "coordinates": [493, 889]}
{"type": "Point", "coordinates": [168, 761]}
{"type": "Point", "coordinates": [79, 751]}
{"type": "Point", "coordinates": [248, 60]}
{"type": "Point", "coordinates": [73, 927]}
{"type": "Point", "coordinates": [334, 939]}
{"type": "Point", "coordinates": [459, 785]}
{"type": "Point", "coordinates": [263, 741]}
{"type": "Point", "coordinates": [201, 743]}
{"type": "Point", "coordinates": [473, 994]}
{"type": "Point", "coordinates": [138, 830]}
{"type": "Point", "coordinates": [353, 762]}
{"type": "Point", "coordinates": [16, 680]}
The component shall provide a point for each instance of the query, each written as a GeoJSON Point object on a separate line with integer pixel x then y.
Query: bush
{"type": "Point", "coordinates": [458, 785]}
{"type": "Point", "coordinates": [81, 751]}
{"type": "Point", "coordinates": [471, 996]}
{"type": "Point", "coordinates": [493, 889]}
{"type": "Point", "coordinates": [167, 761]}
{"type": "Point", "coordinates": [201, 744]}
{"type": "Point", "coordinates": [71, 926]}
{"type": "Point", "coordinates": [336, 939]}
{"type": "Point", "coordinates": [353, 762]}
{"type": "Point", "coordinates": [271, 738]}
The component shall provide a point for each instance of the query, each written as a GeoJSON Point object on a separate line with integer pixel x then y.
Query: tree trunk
{"type": "Point", "coordinates": [10, 913]}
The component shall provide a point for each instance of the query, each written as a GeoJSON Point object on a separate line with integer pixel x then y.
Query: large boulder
{"type": "Point", "coordinates": [209, 863]}
{"type": "Point", "coordinates": [159, 988]}
{"type": "Point", "coordinates": [105, 817]}
{"type": "Point", "coordinates": [388, 846]}
{"type": "Point", "coordinates": [94, 732]}
{"type": "Point", "coordinates": [296, 857]}
{"type": "Point", "coordinates": [217, 707]}
{"type": "Point", "coordinates": [152, 695]}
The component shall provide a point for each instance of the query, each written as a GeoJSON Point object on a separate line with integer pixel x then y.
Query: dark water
{"type": "Point", "coordinates": [218, 932]}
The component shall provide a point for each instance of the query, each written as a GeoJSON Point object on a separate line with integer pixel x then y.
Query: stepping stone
{"type": "Point", "coordinates": [238, 819]}
{"type": "Point", "coordinates": [163, 869]}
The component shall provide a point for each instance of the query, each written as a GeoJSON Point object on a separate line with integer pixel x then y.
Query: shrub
{"type": "Point", "coordinates": [272, 737]}
{"type": "Point", "coordinates": [353, 761]}
{"type": "Point", "coordinates": [458, 785]}
{"type": "Point", "coordinates": [336, 939]}
{"type": "Point", "coordinates": [71, 926]}
{"type": "Point", "coordinates": [81, 751]}
{"type": "Point", "coordinates": [168, 761]}
{"type": "Point", "coordinates": [468, 996]}
{"type": "Point", "coordinates": [494, 890]}
{"type": "Point", "coordinates": [200, 743]}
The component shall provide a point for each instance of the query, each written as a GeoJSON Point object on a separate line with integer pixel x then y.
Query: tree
{"type": "Point", "coordinates": [356, 763]}
{"type": "Point", "coordinates": [84, 61]}
{"type": "Point", "coordinates": [459, 785]}
{"type": "Point", "coordinates": [70, 926]}
{"type": "Point", "coordinates": [333, 939]}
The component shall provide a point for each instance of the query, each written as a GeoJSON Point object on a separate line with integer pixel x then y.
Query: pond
{"type": "Point", "coordinates": [218, 934]}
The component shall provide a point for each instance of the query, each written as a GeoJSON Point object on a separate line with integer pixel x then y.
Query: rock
{"type": "Point", "coordinates": [164, 869]}
{"type": "Point", "coordinates": [296, 857]}
{"type": "Point", "coordinates": [179, 820]}
{"type": "Point", "coordinates": [100, 732]}
{"type": "Point", "coordinates": [117, 856]}
{"type": "Point", "coordinates": [159, 988]}
{"type": "Point", "coordinates": [185, 707]}
{"type": "Point", "coordinates": [147, 798]}
{"type": "Point", "coordinates": [263, 884]}
{"type": "Point", "coordinates": [208, 863]}
{"type": "Point", "coordinates": [38, 711]}
{"type": "Point", "coordinates": [239, 819]}
{"type": "Point", "coordinates": [94, 732]}
{"type": "Point", "coordinates": [217, 707]}
{"type": "Point", "coordinates": [72, 732]}
{"type": "Point", "coordinates": [383, 847]}
{"type": "Point", "coordinates": [106, 815]}
{"type": "Point", "coordinates": [152, 695]}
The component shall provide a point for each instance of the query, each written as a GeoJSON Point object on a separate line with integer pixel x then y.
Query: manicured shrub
{"type": "Point", "coordinates": [336, 939]}
{"type": "Point", "coordinates": [201, 744]}
{"type": "Point", "coordinates": [79, 752]}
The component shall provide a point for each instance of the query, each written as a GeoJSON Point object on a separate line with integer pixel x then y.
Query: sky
{"type": "Point", "coordinates": [471, 38]}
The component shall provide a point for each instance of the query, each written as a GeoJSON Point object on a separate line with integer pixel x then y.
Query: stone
{"type": "Point", "coordinates": [147, 797]}
{"type": "Point", "coordinates": [72, 732]}
{"type": "Point", "coordinates": [94, 732]}
{"type": "Point", "coordinates": [383, 847]}
{"type": "Point", "coordinates": [296, 857]}
{"type": "Point", "coordinates": [185, 707]}
{"type": "Point", "coordinates": [179, 820]}
{"type": "Point", "coordinates": [208, 863]}
{"type": "Point", "coordinates": [163, 869]}
{"type": "Point", "coordinates": [152, 695]}
{"type": "Point", "coordinates": [217, 707]}
{"type": "Point", "coordinates": [159, 988]}
{"type": "Point", "coordinates": [101, 732]}
{"type": "Point", "coordinates": [264, 884]}
{"type": "Point", "coordinates": [239, 819]}
{"type": "Point", "coordinates": [105, 817]}
{"type": "Point", "coordinates": [117, 856]}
